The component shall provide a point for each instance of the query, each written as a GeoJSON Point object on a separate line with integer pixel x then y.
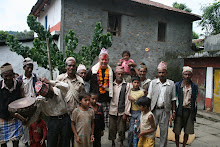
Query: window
{"type": "Point", "coordinates": [161, 32]}
{"type": "Point", "coordinates": [46, 22]}
{"type": "Point", "coordinates": [114, 24]}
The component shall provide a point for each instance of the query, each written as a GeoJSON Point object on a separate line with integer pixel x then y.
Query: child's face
{"type": "Point", "coordinates": [93, 99]}
{"type": "Point", "coordinates": [136, 84]}
{"type": "Point", "coordinates": [142, 108]}
{"type": "Point", "coordinates": [126, 56]}
{"type": "Point", "coordinates": [85, 102]}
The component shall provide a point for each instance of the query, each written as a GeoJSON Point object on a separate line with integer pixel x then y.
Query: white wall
{"type": "Point", "coordinates": [17, 62]}
{"type": "Point", "coordinates": [53, 13]}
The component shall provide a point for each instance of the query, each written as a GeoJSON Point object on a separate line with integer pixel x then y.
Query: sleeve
{"type": "Point", "coordinates": [74, 115]}
{"type": "Point", "coordinates": [88, 75]}
{"type": "Point", "coordinates": [102, 122]}
{"type": "Point", "coordinates": [64, 87]}
{"type": "Point", "coordinates": [31, 132]}
{"type": "Point", "coordinates": [44, 129]}
{"type": "Point", "coordinates": [131, 60]}
{"type": "Point", "coordinates": [174, 92]}
{"type": "Point", "coordinates": [149, 95]}
{"type": "Point", "coordinates": [127, 101]}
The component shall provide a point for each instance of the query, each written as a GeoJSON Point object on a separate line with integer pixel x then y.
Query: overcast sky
{"type": "Point", "coordinates": [13, 13]}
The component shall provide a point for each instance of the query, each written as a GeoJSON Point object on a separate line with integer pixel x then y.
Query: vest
{"type": "Point", "coordinates": [167, 96]}
{"type": "Point", "coordinates": [7, 97]}
{"type": "Point", "coordinates": [121, 102]}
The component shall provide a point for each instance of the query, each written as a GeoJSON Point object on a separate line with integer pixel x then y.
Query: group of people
{"type": "Point", "coordinates": [81, 104]}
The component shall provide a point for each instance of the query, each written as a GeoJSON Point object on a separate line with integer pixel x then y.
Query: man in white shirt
{"type": "Point", "coordinates": [28, 79]}
{"type": "Point", "coordinates": [162, 93]}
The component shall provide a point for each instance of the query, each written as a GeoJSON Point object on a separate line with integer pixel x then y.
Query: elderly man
{"type": "Point", "coordinates": [81, 71]}
{"type": "Point", "coordinates": [101, 81]}
{"type": "Point", "coordinates": [10, 90]}
{"type": "Point", "coordinates": [75, 83]}
{"type": "Point", "coordinates": [186, 92]}
{"type": "Point", "coordinates": [53, 104]}
{"type": "Point", "coordinates": [29, 79]}
{"type": "Point", "coordinates": [142, 72]}
{"type": "Point", "coordinates": [163, 97]}
{"type": "Point", "coordinates": [119, 107]}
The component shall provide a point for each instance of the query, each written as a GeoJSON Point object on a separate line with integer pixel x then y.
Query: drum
{"type": "Point", "coordinates": [24, 107]}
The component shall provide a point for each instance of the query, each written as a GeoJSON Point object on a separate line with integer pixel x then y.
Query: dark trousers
{"type": "Point", "coordinates": [97, 136]}
{"type": "Point", "coordinates": [59, 126]}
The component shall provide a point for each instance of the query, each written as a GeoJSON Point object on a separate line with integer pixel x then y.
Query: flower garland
{"type": "Point", "coordinates": [100, 80]}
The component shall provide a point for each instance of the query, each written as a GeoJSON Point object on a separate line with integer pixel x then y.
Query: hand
{"type": "Point", "coordinates": [124, 117]}
{"type": "Point", "coordinates": [119, 64]}
{"type": "Point", "coordinates": [78, 140]}
{"type": "Point", "coordinates": [173, 115]}
{"type": "Point", "coordinates": [44, 79]}
{"type": "Point", "coordinates": [130, 63]}
{"type": "Point", "coordinates": [92, 138]}
{"type": "Point", "coordinates": [131, 98]}
{"type": "Point", "coordinates": [41, 142]}
{"type": "Point", "coordinates": [102, 133]}
{"type": "Point", "coordinates": [140, 134]}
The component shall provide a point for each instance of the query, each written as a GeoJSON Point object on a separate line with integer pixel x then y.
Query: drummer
{"type": "Point", "coordinates": [29, 79]}
{"type": "Point", "coordinates": [10, 90]}
{"type": "Point", "coordinates": [53, 104]}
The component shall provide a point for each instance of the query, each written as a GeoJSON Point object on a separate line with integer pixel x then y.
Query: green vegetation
{"type": "Point", "coordinates": [181, 6]}
{"type": "Point", "coordinates": [211, 18]}
{"type": "Point", "coordinates": [195, 35]}
{"type": "Point", "coordinates": [19, 35]}
{"type": "Point", "coordinates": [38, 52]}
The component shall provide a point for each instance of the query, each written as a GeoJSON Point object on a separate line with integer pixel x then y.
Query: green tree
{"type": "Point", "coordinates": [181, 6]}
{"type": "Point", "coordinates": [39, 50]}
{"type": "Point", "coordinates": [211, 18]}
{"type": "Point", "coordinates": [195, 35]}
{"type": "Point", "coordinates": [3, 35]}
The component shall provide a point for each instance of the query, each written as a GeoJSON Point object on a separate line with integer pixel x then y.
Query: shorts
{"type": "Point", "coordinates": [185, 121]}
{"type": "Point", "coordinates": [146, 142]}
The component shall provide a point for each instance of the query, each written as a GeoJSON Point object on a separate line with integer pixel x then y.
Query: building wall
{"type": "Point", "coordinates": [139, 26]}
{"type": "Point", "coordinates": [53, 13]}
{"type": "Point", "coordinates": [212, 43]}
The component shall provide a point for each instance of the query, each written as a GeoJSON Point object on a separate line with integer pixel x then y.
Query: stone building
{"type": "Point", "coordinates": [135, 25]}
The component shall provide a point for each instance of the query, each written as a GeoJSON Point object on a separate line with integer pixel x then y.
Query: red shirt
{"type": "Point", "coordinates": [38, 131]}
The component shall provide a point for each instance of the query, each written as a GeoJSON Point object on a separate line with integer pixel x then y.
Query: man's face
{"type": "Point", "coordinates": [28, 69]}
{"type": "Point", "coordinates": [8, 77]}
{"type": "Point", "coordinates": [82, 73]}
{"type": "Point", "coordinates": [187, 76]}
{"type": "Point", "coordinates": [103, 60]}
{"type": "Point", "coordinates": [119, 76]}
{"type": "Point", "coordinates": [70, 67]}
{"type": "Point", "coordinates": [142, 72]}
{"type": "Point", "coordinates": [162, 73]}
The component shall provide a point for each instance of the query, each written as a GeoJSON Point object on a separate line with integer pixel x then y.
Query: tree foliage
{"type": "Point", "coordinates": [19, 35]}
{"type": "Point", "coordinates": [195, 35]}
{"type": "Point", "coordinates": [211, 18]}
{"type": "Point", "coordinates": [38, 52]}
{"type": "Point", "coordinates": [181, 6]}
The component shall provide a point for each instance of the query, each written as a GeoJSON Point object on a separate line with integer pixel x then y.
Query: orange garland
{"type": "Point", "coordinates": [100, 80]}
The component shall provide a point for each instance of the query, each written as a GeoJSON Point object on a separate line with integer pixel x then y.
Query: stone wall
{"type": "Point", "coordinates": [139, 27]}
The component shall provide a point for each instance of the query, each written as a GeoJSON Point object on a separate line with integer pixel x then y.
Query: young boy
{"type": "Point", "coordinates": [99, 119]}
{"type": "Point", "coordinates": [135, 94]}
{"type": "Point", "coordinates": [147, 123]}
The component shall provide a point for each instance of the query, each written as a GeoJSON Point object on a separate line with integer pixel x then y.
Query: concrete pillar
{"type": "Point", "coordinates": [209, 88]}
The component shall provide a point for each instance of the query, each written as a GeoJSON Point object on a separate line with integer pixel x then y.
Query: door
{"type": "Point", "coordinates": [199, 77]}
{"type": "Point", "coordinates": [216, 102]}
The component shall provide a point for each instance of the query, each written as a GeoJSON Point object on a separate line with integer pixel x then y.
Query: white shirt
{"type": "Point", "coordinates": [28, 86]}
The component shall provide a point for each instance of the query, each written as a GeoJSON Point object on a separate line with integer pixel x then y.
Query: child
{"type": "Point", "coordinates": [126, 62]}
{"type": "Point", "coordinates": [38, 133]}
{"type": "Point", "coordinates": [135, 94]}
{"type": "Point", "coordinates": [82, 122]}
{"type": "Point", "coordinates": [99, 119]}
{"type": "Point", "coordinates": [147, 124]}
